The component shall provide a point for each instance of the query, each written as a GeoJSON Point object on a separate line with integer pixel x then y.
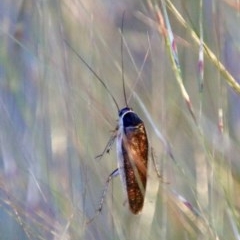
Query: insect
{"type": "Point", "coordinates": [132, 150]}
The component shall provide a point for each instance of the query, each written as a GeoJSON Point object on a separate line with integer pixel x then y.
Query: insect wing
{"type": "Point", "coordinates": [133, 156]}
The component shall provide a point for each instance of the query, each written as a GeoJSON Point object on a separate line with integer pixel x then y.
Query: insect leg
{"type": "Point", "coordinates": [99, 209]}
{"type": "Point", "coordinates": [108, 146]}
{"type": "Point", "coordinates": [156, 168]}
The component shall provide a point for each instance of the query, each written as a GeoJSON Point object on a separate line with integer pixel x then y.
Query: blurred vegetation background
{"type": "Point", "coordinates": [56, 117]}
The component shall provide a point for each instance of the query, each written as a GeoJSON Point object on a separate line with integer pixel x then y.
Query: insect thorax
{"type": "Point", "coordinates": [128, 118]}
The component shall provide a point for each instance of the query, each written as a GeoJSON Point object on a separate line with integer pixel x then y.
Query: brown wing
{"type": "Point", "coordinates": [135, 155]}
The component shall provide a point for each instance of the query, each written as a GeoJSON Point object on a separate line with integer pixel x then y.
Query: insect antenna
{"type": "Point", "coordinates": [94, 73]}
{"type": "Point", "coordinates": [122, 64]}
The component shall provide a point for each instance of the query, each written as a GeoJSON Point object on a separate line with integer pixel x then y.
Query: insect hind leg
{"type": "Point", "coordinates": [115, 173]}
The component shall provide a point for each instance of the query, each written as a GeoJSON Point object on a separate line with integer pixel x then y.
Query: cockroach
{"type": "Point", "coordinates": [132, 148]}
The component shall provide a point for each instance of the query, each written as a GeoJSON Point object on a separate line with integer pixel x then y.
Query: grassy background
{"type": "Point", "coordinates": [56, 117]}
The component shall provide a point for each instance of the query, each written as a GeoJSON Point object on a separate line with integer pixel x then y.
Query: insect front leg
{"type": "Point", "coordinates": [99, 209]}
{"type": "Point", "coordinates": [159, 175]}
{"type": "Point", "coordinates": [109, 144]}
